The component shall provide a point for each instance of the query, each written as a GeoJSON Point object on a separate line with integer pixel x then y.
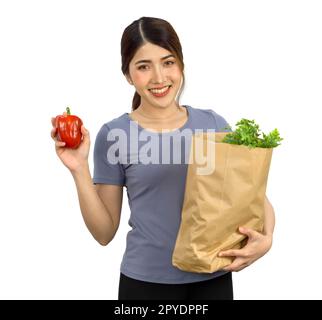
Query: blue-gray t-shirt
{"type": "Point", "coordinates": [153, 167]}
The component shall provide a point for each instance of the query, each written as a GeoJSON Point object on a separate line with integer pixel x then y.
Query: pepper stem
{"type": "Point", "coordinates": [68, 111]}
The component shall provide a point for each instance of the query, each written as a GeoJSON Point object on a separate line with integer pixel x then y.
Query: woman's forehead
{"type": "Point", "coordinates": [150, 51]}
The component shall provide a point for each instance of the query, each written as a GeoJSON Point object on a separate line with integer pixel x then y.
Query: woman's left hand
{"type": "Point", "coordinates": [257, 245]}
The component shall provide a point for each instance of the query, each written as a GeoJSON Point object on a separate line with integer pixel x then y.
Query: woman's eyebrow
{"type": "Point", "coordinates": [147, 61]}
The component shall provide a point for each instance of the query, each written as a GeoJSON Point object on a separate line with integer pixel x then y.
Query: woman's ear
{"type": "Point", "coordinates": [129, 80]}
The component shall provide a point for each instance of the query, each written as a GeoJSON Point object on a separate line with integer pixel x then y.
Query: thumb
{"type": "Point", "coordinates": [250, 233]}
{"type": "Point", "coordinates": [85, 132]}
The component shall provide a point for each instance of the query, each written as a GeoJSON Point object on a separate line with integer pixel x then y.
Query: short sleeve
{"type": "Point", "coordinates": [220, 122]}
{"type": "Point", "coordinates": [106, 172]}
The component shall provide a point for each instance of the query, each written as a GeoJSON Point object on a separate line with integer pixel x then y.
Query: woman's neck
{"type": "Point", "coordinates": [174, 122]}
{"type": "Point", "coordinates": [155, 113]}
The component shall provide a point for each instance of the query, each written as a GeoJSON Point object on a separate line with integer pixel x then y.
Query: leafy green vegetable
{"type": "Point", "coordinates": [248, 133]}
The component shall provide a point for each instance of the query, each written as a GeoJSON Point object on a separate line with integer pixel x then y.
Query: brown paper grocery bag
{"type": "Point", "coordinates": [217, 202]}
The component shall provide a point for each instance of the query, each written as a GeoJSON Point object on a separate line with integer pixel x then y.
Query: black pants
{"type": "Point", "coordinates": [219, 288]}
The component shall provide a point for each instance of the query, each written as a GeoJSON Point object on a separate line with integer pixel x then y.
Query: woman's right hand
{"type": "Point", "coordinates": [73, 159]}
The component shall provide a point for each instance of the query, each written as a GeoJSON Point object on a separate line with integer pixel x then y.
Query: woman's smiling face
{"type": "Point", "coordinates": [156, 68]}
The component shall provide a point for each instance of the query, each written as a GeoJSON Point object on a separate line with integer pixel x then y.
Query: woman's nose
{"type": "Point", "coordinates": [158, 75]}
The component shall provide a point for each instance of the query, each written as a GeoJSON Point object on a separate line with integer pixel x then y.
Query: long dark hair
{"type": "Point", "coordinates": [156, 31]}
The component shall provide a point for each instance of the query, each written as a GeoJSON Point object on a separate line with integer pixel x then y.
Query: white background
{"type": "Point", "coordinates": [254, 59]}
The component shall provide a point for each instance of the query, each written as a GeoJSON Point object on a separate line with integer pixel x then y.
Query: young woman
{"type": "Point", "coordinates": [141, 160]}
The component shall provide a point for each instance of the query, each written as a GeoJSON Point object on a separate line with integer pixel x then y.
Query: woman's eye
{"type": "Point", "coordinates": [142, 67]}
{"type": "Point", "coordinates": [145, 67]}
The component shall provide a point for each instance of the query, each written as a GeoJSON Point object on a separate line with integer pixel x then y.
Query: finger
{"type": "Point", "coordinates": [234, 266]}
{"type": "Point", "coordinates": [230, 268]}
{"type": "Point", "coordinates": [84, 131]}
{"type": "Point", "coordinates": [59, 144]}
{"type": "Point", "coordinates": [53, 121]}
{"type": "Point", "coordinates": [53, 133]}
{"type": "Point", "coordinates": [231, 253]}
{"type": "Point", "coordinates": [250, 233]}
{"type": "Point", "coordinates": [243, 266]}
{"type": "Point", "coordinates": [85, 134]}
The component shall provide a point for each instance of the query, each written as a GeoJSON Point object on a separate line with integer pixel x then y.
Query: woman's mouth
{"type": "Point", "coordinates": [158, 93]}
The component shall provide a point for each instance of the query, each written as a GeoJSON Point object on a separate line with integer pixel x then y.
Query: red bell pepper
{"type": "Point", "coordinates": [69, 129]}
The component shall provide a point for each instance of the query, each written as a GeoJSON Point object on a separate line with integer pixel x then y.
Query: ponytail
{"type": "Point", "coordinates": [136, 101]}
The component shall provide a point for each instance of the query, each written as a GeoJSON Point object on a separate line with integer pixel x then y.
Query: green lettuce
{"type": "Point", "coordinates": [247, 133]}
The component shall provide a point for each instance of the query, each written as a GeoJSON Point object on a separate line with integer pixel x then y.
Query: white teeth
{"type": "Point", "coordinates": [160, 90]}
